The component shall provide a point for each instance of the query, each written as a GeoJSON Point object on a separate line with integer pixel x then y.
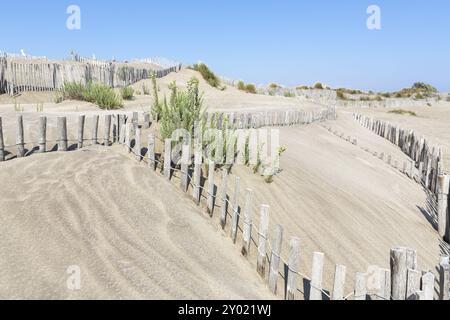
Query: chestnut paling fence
{"type": "Point", "coordinates": [402, 281]}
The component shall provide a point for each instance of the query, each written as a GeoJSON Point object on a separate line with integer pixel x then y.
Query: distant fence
{"type": "Point", "coordinates": [402, 281]}
{"type": "Point", "coordinates": [19, 75]}
{"type": "Point", "coordinates": [428, 160]}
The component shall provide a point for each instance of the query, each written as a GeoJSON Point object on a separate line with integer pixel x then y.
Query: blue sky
{"type": "Point", "coordinates": [291, 42]}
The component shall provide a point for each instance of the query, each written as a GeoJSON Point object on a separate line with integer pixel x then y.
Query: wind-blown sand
{"type": "Point", "coordinates": [132, 234]}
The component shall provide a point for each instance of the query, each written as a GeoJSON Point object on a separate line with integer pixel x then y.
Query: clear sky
{"type": "Point", "coordinates": [291, 42]}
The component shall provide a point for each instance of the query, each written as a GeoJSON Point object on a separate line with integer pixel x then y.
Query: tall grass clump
{"type": "Point", "coordinates": [183, 109]}
{"type": "Point", "coordinates": [127, 93]}
{"type": "Point", "coordinates": [403, 112]}
{"type": "Point", "coordinates": [99, 94]}
{"type": "Point", "coordinates": [156, 105]}
{"type": "Point", "coordinates": [207, 74]}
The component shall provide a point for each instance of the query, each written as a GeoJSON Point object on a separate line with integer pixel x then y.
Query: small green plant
{"type": "Point", "coordinates": [156, 106]}
{"type": "Point", "coordinates": [207, 74]}
{"type": "Point", "coordinates": [289, 94]}
{"type": "Point", "coordinates": [418, 96]}
{"type": "Point", "coordinates": [40, 107]}
{"type": "Point", "coordinates": [127, 93]}
{"type": "Point", "coordinates": [403, 112]}
{"type": "Point", "coordinates": [341, 95]}
{"type": "Point", "coordinates": [250, 88]}
{"type": "Point", "coordinates": [241, 85]}
{"type": "Point", "coordinates": [318, 85]}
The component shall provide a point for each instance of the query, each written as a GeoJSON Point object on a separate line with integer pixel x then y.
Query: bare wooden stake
{"type": "Point", "coordinates": [167, 158]}
{"type": "Point", "coordinates": [20, 137]}
{"type": "Point", "coordinates": [262, 238]}
{"type": "Point", "coordinates": [107, 129]}
{"type": "Point", "coordinates": [211, 194]}
{"type": "Point", "coordinates": [315, 292]}
{"type": "Point", "coordinates": [444, 279]}
{"type": "Point", "coordinates": [247, 226]}
{"type": "Point", "coordinates": [384, 292]}
{"type": "Point", "coordinates": [443, 189]}
{"type": "Point", "coordinates": [2, 144]}
{"type": "Point", "coordinates": [185, 162]}
{"type": "Point", "coordinates": [339, 283]}
{"type": "Point", "coordinates": [42, 134]}
{"type": "Point", "coordinates": [361, 286]}
{"type": "Point", "coordinates": [95, 129]}
{"type": "Point", "coordinates": [197, 175]}
{"type": "Point", "coordinates": [224, 198]}
{"type": "Point", "coordinates": [235, 217]}
{"type": "Point", "coordinates": [275, 258]}
{"type": "Point", "coordinates": [428, 286]}
{"type": "Point", "coordinates": [151, 152]}
{"type": "Point", "coordinates": [81, 119]}
{"type": "Point", "coordinates": [62, 133]}
{"type": "Point", "coordinates": [399, 271]}
{"type": "Point", "coordinates": [293, 268]}
{"type": "Point", "coordinates": [137, 144]}
{"type": "Point", "coordinates": [413, 284]}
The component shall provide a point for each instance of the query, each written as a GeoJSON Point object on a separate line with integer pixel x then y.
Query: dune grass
{"type": "Point", "coordinates": [127, 93]}
{"type": "Point", "coordinates": [403, 112]}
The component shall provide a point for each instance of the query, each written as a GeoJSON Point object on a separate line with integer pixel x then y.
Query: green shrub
{"type": "Point", "coordinates": [241, 85]}
{"type": "Point", "coordinates": [289, 94]}
{"type": "Point", "coordinates": [250, 88]}
{"type": "Point", "coordinates": [402, 112]}
{"type": "Point", "coordinates": [73, 91]}
{"type": "Point", "coordinates": [340, 94]}
{"type": "Point", "coordinates": [318, 85]}
{"type": "Point", "coordinates": [100, 94]}
{"type": "Point", "coordinates": [418, 96]}
{"type": "Point", "coordinates": [127, 93]}
{"type": "Point", "coordinates": [424, 87]}
{"type": "Point", "coordinates": [156, 105]}
{"type": "Point", "coordinates": [207, 74]}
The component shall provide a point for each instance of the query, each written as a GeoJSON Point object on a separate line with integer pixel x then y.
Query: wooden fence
{"type": "Point", "coordinates": [427, 159]}
{"type": "Point", "coordinates": [401, 281]}
{"type": "Point", "coordinates": [20, 75]}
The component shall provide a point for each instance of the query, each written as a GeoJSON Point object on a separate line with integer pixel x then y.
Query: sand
{"type": "Point", "coordinates": [132, 234]}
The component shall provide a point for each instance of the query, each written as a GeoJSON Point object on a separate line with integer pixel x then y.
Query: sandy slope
{"type": "Point", "coordinates": [131, 233]}
{"type": "Point", "coordinates": [344, 202]}
{"type": "Point", "coordinates": [430, 122]}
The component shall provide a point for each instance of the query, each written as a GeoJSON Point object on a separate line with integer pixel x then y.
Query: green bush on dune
{"type": "Point", "coordinates": [127, 93]}
{"type": "Point", "coordinates": [100, 94]}
{"type": "Point", "coordinates": [207, 74]}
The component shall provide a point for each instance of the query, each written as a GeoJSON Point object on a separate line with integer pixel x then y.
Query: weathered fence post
{"type": "Point", "coordinates": [361, 286]}
{"type": "Point", "coordinates": [399, 269]}
{"type": "Point", "coordinates": [428, 286]}
{"type": "Point", "coordinates": [197, 176]}
{"type": "Point", "coordinates": [128, 136]}
{"type": "Point", "coordinates": [107, 129]}
{"type": "Point", "coordinates": [444, 278]}
{"type": "Point", "coordinates": [339, 282]}
{"type": "Point", "coordinates": [293, 268]}
{"type": "Point", "coordinates": [135, 122]}
{"type": "Point", "coordinates": [412, 284]}
{"type": "Point", "coordinates": [20, 137]}
{"type": "Point", "coordinates": [185, 162]}
{"type": "Point", "coordinates": [275, 258]}
{"type": "Point", "coordinates": [137, 144]}
{"type": "Point", "coordinates": [95, 129]}
{"type": "Point", "coordinates": [81, 120]}
{"type": "Point", "coordinates": [235, 217]}
{"type": "Point", "coordinates": [262, 237]}
{"type": "Point", "coordinates": [146, 120]}
{"type": "Point", "coordinates": [2, 144]}
{"type": "Point", "coordinates": [42, 134]}
{"type": "Point", "coordinates": [62, 133]}
{"type": "Point", "coordinates": [151, 152]}
{"type": "Point", "coordinates": [211, 195]}
{"type": "Point", "coordinates": [247, 226]}
{"type": "Point", "coordinates": [315, 292]}
{"type": "Point", "coordinates": [443, 189]}
{"type": "Point", "coordinates": [167, 158]}
{"type": "Point", "coordinates": [384, 292]}
{"type": "Point", "coordinates": [224, 206]}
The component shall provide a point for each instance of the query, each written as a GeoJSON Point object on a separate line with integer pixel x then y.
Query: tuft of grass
{"type": "Point", "coordinates": [318, 85]}
{"type": "Point", "coordinates": [207, 74]}
{"type": "Point", "coordinates": [40, 107]}
{"type": "Point", "coordinates": [99, 94]}
{"type": "Point", "coordinates": [403, 112]}
{"type": "Point", "coordinates": [250, 88]}
{"type": "Point", "coordinates": [241, 85]}
{"type": "Point", "coordinates": [127, 93]}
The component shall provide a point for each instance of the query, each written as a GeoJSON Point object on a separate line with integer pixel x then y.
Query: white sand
{"type": "Point", "coordinates": [132, 234]}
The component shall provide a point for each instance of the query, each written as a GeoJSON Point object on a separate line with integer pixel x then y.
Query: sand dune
{"type": "Point", "coordinates": [131, 233]}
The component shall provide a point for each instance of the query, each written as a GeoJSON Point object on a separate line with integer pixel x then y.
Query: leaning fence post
{"type": "Point", "coordinates": [62, 133]}
{"type": "Point", "coordinates": [2, 144]}
{"type": "Point", "coordinates": [315, 292]}
{"type": "Point", "coordinates": [224, 206]}
{"type": "Point", "coordinates": [247, 226]}
{"type": "Point", "coordinates": [443, 181]}
{"type": "Point", "coordinates": [137, 144]}
{"type": "Point", "coordinates": [444, 279]}
{"type": "Point", "coordinates": [20, 137]}
{"type": "Point", "coordinates": [185, 161]}
{"type": "Point", "coordinates": [211, 195]}
{"type": "Point", "coordinates": [275, 258]}
{"type": "Point", "coordinates": [262, 237]}
{"type": "Point", "coordinates": [361, 286]}
{"type": "Point", "coordinates": [235, 217]}
{"type": "Point", "coordinates": [107, 129]}
{"type": "Point", "coordinates": [167, 158]}
{"type": "Point", "coordinates": [293, 268]}
{"type": "Point", "coordinates": [81, 120]}
{"type": "Point", "coordinates": [151, 152]}
{"type": "Point", "coordinates": [42, 134]}
{"type": "Point", "coordinates": [95, 129]}
{"type": "Point", "coordinates": [339, 282]}
{"type": "Point", "coordinates": [399, 271]}
{"type": "Point", "coordinates": [197, 176]}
